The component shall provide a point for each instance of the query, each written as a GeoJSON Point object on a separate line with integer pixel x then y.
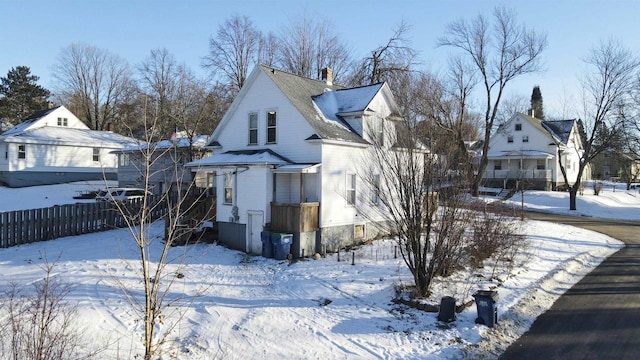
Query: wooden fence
{"type": "Point", "coordinates": [28, 226]}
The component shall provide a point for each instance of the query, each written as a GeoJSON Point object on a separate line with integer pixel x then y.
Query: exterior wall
{"type": "Point", "coordinates": [33, 178]}
{"type": "Point", "coordinates": [291, 128]}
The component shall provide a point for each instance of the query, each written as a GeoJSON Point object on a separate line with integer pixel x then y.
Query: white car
{"type": "Point", "coordinates": [120, 194]}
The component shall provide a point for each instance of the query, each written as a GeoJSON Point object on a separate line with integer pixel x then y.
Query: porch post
{"type": "Point", "coordinates": [302, 187]}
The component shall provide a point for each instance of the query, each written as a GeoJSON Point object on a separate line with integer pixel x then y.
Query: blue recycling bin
{"type": "Point", "coordinates": [267, 245]}
{"type": "Point", "coordinates": [281, 245]}
{"type": "Point", "coordinates": [487, 309]}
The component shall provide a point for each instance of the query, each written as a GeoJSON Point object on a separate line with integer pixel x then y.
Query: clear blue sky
{"type": "Point", "coordinates": [32, 33]}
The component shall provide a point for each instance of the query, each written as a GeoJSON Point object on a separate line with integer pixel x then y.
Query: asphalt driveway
{"type": "Point", "coordinates": [599, 317]}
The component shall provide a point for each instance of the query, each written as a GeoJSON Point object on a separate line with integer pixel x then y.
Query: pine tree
{"type": "Point", "coordinates": [20, 95]}
{"type": "Point", "coordinates": [536, 103]}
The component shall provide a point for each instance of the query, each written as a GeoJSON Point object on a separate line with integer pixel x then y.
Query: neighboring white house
{"type": "Point", "coordinates": [525, 150]}
{"type": "Point", "coordinates": [286, 155]}
{"type": "Point", "coordinates": [53, 146]}
{"type": "Point", "coordinates": [166, 159]}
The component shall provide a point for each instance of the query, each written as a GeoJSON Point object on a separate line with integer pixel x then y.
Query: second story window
{"type": "Point", "coordinates": [96, 154]}
{"type": "Point", "coordinates": [509, 139]}
{"type": "Point", "coordinates": [271, 127]}
{"type": "Point", "coordinates": [525, 139]}
{"type": "Point", "coordinates": [22, 152]}
{"type": "Point", "coordinates": [253, 129]}
{"type": "Point", "coordinates": [518, 127]}
{"type": "Point", "coordinates": [63, 122]}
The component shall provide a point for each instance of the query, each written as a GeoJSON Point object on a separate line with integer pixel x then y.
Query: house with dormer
{"type": "Point", "coordinates": [53, 146]}
{"type": "Point", "coordinates": [526, 152]}
{"type": "Point", "coordinates": [286, 156]}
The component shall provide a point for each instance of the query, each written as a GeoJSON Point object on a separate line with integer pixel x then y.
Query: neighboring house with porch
{"type": "Point", "coordinates": [524, 152]}
{"type": "Point", "coordinates": [286, 157]}
{"type": "Point", "coordinates": [166, 159]}
{"type": "Point", "coordinates": [53, 146]}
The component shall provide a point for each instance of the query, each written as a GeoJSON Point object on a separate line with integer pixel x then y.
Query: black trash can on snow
{"type": "Point", "coordinates": [447, 311]}
{"type": "Point", "coordinates": [281, 245]}
{"type": "Point", "coordinates": [267, 245]}
{"type": "Point", "coordinates": [487, 309]}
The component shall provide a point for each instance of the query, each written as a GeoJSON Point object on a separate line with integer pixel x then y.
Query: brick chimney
{"type": "Point", "coordinates": [327, 76]}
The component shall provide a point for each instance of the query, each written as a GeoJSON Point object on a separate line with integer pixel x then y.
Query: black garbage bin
{"type": "Point", "coordinates": [447, 311]}
{"type": "Point", "coordinates": [281, 245]}
{"type": "Point", "coordinates": [267, 245]}
{"type": "Point", "coordinates": [487, 309]}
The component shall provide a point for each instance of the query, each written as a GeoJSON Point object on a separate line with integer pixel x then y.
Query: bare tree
{"type": "Point", "coordinates": [500, 52]}
{"type": "Point", "coordinates": [185, 211]}
{"type": "Point", "coordinates": [387, 61]}
{"type": "Point", "coordinates": [306, 47]}
{"type": "Point", "coordinates": [234, 50]}
{"type": "Point", "coordinates": [92, 83]}
{"type": "Point", "coordinates": [608, 83]}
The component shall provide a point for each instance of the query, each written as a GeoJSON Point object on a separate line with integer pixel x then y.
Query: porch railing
{"type": "Point", "coordinates": [296, 217]}
{"type": "Point", "coordinates": [518, 174]}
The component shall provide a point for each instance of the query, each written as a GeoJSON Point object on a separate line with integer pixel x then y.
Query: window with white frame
{"type": "Point", "coordinates": [541, 164]}
{"type": "Point", "coordinates": [63, 121]}
{"type": "Point", "coordinates": [375, 189]}
{"type": "Point", "coordinates": [525, 139]}
{"type": "Point", "coordinates": [228, 188]}
{"type": "Point", "coordinates": [22, 151]}
{"type": "Point", "coordinates": [378, 130]}
{"type": "Point", "coordinates": [497, 165]}
{"type": "Point", "coordinates": [253, 129]}
{"type": "Point", "coordinates": [211, 183]}
{"type": "Point", "coordinates": [96, 154]}
{"type": "Point", "coordinates": [271, 127]}
{"type": "Point", "coordinates": [123, 159]}
{"type": "Point", "coordinates": [510, 138]}
{"type": "Point", "coordinates": [351, 189]}
{"type": "Point", "coordinates": [518, 127]}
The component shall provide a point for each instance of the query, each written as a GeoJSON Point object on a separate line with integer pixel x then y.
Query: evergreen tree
{"type": "Point", "coordinates": [20, 95]}
{"type": "Point", "coordinates": [536, 103]}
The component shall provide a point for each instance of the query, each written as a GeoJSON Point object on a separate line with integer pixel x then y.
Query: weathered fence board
{"type": "Point", "coordinates": [27, 226]}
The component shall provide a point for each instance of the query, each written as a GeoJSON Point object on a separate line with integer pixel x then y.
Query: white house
{"type": "Point", "coordinates": [53, 146]}
{"type": "Point", "coordinates": [525, 151]}
{"type": "Point", "coordinates": [286, 155]}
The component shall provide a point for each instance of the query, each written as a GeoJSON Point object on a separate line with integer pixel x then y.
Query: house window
{"type": "Point", "coordinates": [228, 188]}
{"type": "Point", "coordinates": [271, 127]}
{"type": "Point", "coordinates": [123, 159]}
{"type": "Point", "coordinates": [22, 152]}
{"type": "Point", "coordinates": [509, 139]}
{"type": "Point", "coordinates": [253, 129]}
{"type": "Point", "coordinates": [541, 164]}
{"type": "Point", "coordinates": [375, 189]}
{"type": "Point", "coordinates": [351, 189]}
{"type": "Point", "coordinates": [211, 184]}
{"type": "Point", "coordinates": [6, 152]}
{"type": "Point", "coordinates": [96, 154]}
{"type": "Point", "coordinates": [518, 127]}
{"type": "Point", "coordinates": [63, 122]}
{"type": "Point", "coordinates": [378, 131]}
{"type": "Point", "coordinates": [525, 139]}
{"type": "Point", "coordinates": [498, 165]}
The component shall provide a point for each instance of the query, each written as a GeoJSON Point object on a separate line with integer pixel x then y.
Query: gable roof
{"type": "Point", "coordinates": [34, 120]}
{"type": "Point", "coordinates": [557, 130]}
{"type": "Point", "coordinates": [242, 157]}
{"type": "Point", "coordinates": [324, 118]}
{"type": "Point", "coordinates": [70, 136]}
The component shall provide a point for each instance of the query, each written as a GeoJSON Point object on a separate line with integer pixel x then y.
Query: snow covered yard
{"type": "Point", "coordinates": [239, 306]}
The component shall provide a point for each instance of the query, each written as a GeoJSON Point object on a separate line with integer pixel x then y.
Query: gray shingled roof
{"type": "Point", "coordinates": [561, 129]}
{"type": "Point", "coordinates": [301, 92]}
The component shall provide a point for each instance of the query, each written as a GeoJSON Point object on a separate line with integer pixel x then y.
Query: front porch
{"type": "Point", "coordinates": [520, 171]}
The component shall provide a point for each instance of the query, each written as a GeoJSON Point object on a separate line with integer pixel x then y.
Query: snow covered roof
{"type": "Point", "coordinates": [297, 168]}
{"type": "Point", "coordinates": [318, 104]}
{"type": "Point", "coordinates": [536, 154]}
{"type": "Point", "coordinates": [242, 157]}
{"type": "Point", "coordinates": [198, 142]}
{"type": "Point", "coordinates": [70, 136]}
{"type": "Point", "coordinates": [560, 129]}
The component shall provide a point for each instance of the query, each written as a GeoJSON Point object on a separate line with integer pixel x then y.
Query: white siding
{"type": "Point", "coordinates": [291, 128]}
{"type": "Point", "coordinates": [253, 192]}
{"type": "Point", "coordinates": [58, 158]}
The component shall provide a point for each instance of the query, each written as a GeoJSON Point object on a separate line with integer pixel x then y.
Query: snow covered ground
{"type": "Point", "coordinates": [240, 306]}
